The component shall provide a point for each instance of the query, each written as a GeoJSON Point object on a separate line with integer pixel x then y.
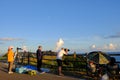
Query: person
{"type": "Point", "coordinates": [59, 59]}
{"type": "Point", "coordinates": [92, 66]}
{"type": "Point", "coordinates": [39, 58]}
{"type": "Point", "coordinates": [10, 55]}
{"type": "Point", "coordinates": [112, 67]}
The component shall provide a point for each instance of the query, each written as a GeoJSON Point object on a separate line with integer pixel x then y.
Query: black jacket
{"type": "Point", "coordinates": [39, 54]}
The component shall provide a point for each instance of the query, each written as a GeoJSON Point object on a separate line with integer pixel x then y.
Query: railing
{"type": "Point", "coordinates": [27, 58]}
{"type": "Point", "coordinates": [71, 63]}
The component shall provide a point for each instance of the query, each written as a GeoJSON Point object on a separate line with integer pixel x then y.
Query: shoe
{"type": "Point", "coordinates": [10, 72]}
{"type": "Point", "coordinates": [42, 72]}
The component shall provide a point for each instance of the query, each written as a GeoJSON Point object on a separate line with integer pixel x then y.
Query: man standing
{"type": "Point", "coordinates": [10, 54]}
{"type": "Point", "coordinates": [59, 59]}
{"type": "Point", "coordinates": [39, 58]}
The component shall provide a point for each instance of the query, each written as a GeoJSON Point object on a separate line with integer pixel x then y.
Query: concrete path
{"type": "Point", "coordinates": [16, 76]}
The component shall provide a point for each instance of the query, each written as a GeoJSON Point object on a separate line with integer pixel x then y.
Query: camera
{"type": "Point", "coordinates": [66, 49]}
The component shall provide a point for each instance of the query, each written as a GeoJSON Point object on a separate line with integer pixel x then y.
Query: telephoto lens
{"type": "Point", "coordinates": [66, 49]}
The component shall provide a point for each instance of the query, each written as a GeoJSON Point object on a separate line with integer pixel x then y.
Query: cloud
{"type": "Point", "coordinates": [10, 39]}
{"type": "Point", "coordinates": [113, 36]}
{"type": "Point", "coordinates": [112, 46]}
{"type": "Point", "coordinates": [109, 46]}
{"type": "Point", "coordinates": [59, 44]}
{"type": "Point", "coordinates": [93, 47]}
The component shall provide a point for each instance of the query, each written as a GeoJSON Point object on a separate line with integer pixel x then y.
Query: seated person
{"type": "Point", "coordinates": [112, 67]}
{"type": "Point", "coordinates": [92, 67]}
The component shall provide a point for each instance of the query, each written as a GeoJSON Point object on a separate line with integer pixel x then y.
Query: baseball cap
{"type": "Point", "coordinates": [10, 47]}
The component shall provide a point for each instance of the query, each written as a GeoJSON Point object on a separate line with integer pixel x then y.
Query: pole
{"type": "Point", "coordinates": [28, 58]}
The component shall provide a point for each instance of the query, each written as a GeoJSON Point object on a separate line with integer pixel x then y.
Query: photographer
{"type": "Point", "coordinates": [59, 59]}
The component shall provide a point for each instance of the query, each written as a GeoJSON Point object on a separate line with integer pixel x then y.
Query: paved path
{"type": "Point", "coordinates": [46, 76]}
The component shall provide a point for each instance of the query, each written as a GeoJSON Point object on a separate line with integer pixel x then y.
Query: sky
{"type": "Point", "coordinates": [83, 25]}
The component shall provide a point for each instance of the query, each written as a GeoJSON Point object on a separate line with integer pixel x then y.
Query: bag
{"type": "Point", "coordinates": [32, 72]}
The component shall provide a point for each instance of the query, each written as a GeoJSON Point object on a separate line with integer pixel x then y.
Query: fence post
{"type": "Point", "coordinates": [28, 58]}
{"type": "Point", "coordinates": [74, 56]}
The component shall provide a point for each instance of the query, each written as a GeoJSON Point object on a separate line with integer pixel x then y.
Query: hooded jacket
{"type": "Point", "coordinates": [10, 55]}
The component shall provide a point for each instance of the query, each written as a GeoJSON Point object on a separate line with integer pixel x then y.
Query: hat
{"type": "Point", "coordinates": [10, 47]}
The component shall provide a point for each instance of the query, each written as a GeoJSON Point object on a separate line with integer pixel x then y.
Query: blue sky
{"type": "Point", "coordinates": [84, 25]}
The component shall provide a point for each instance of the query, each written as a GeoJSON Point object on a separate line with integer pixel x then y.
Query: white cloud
{"type": "Point", "coordinates": [105, 47]}
{"type": "Point", "coordinates": [112, 46]}
{"type": "Point", "coordinates": [93, 46]}
{"type": "Point", "coordinates": [10, 39]}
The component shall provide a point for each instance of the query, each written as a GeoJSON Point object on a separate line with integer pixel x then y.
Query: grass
{"type": "Point", "coordinates": [3, 58]}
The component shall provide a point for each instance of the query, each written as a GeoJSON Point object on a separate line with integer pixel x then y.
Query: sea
{"type": "Point", "coordinates": [116, 57]}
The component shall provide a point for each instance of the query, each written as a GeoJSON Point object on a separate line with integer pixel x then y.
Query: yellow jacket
{"type": "Point", "coordinates": [10, 56]}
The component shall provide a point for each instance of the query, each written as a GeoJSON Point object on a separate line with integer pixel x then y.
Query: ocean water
{"type": "Point", "coordinates": [116, 57]}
